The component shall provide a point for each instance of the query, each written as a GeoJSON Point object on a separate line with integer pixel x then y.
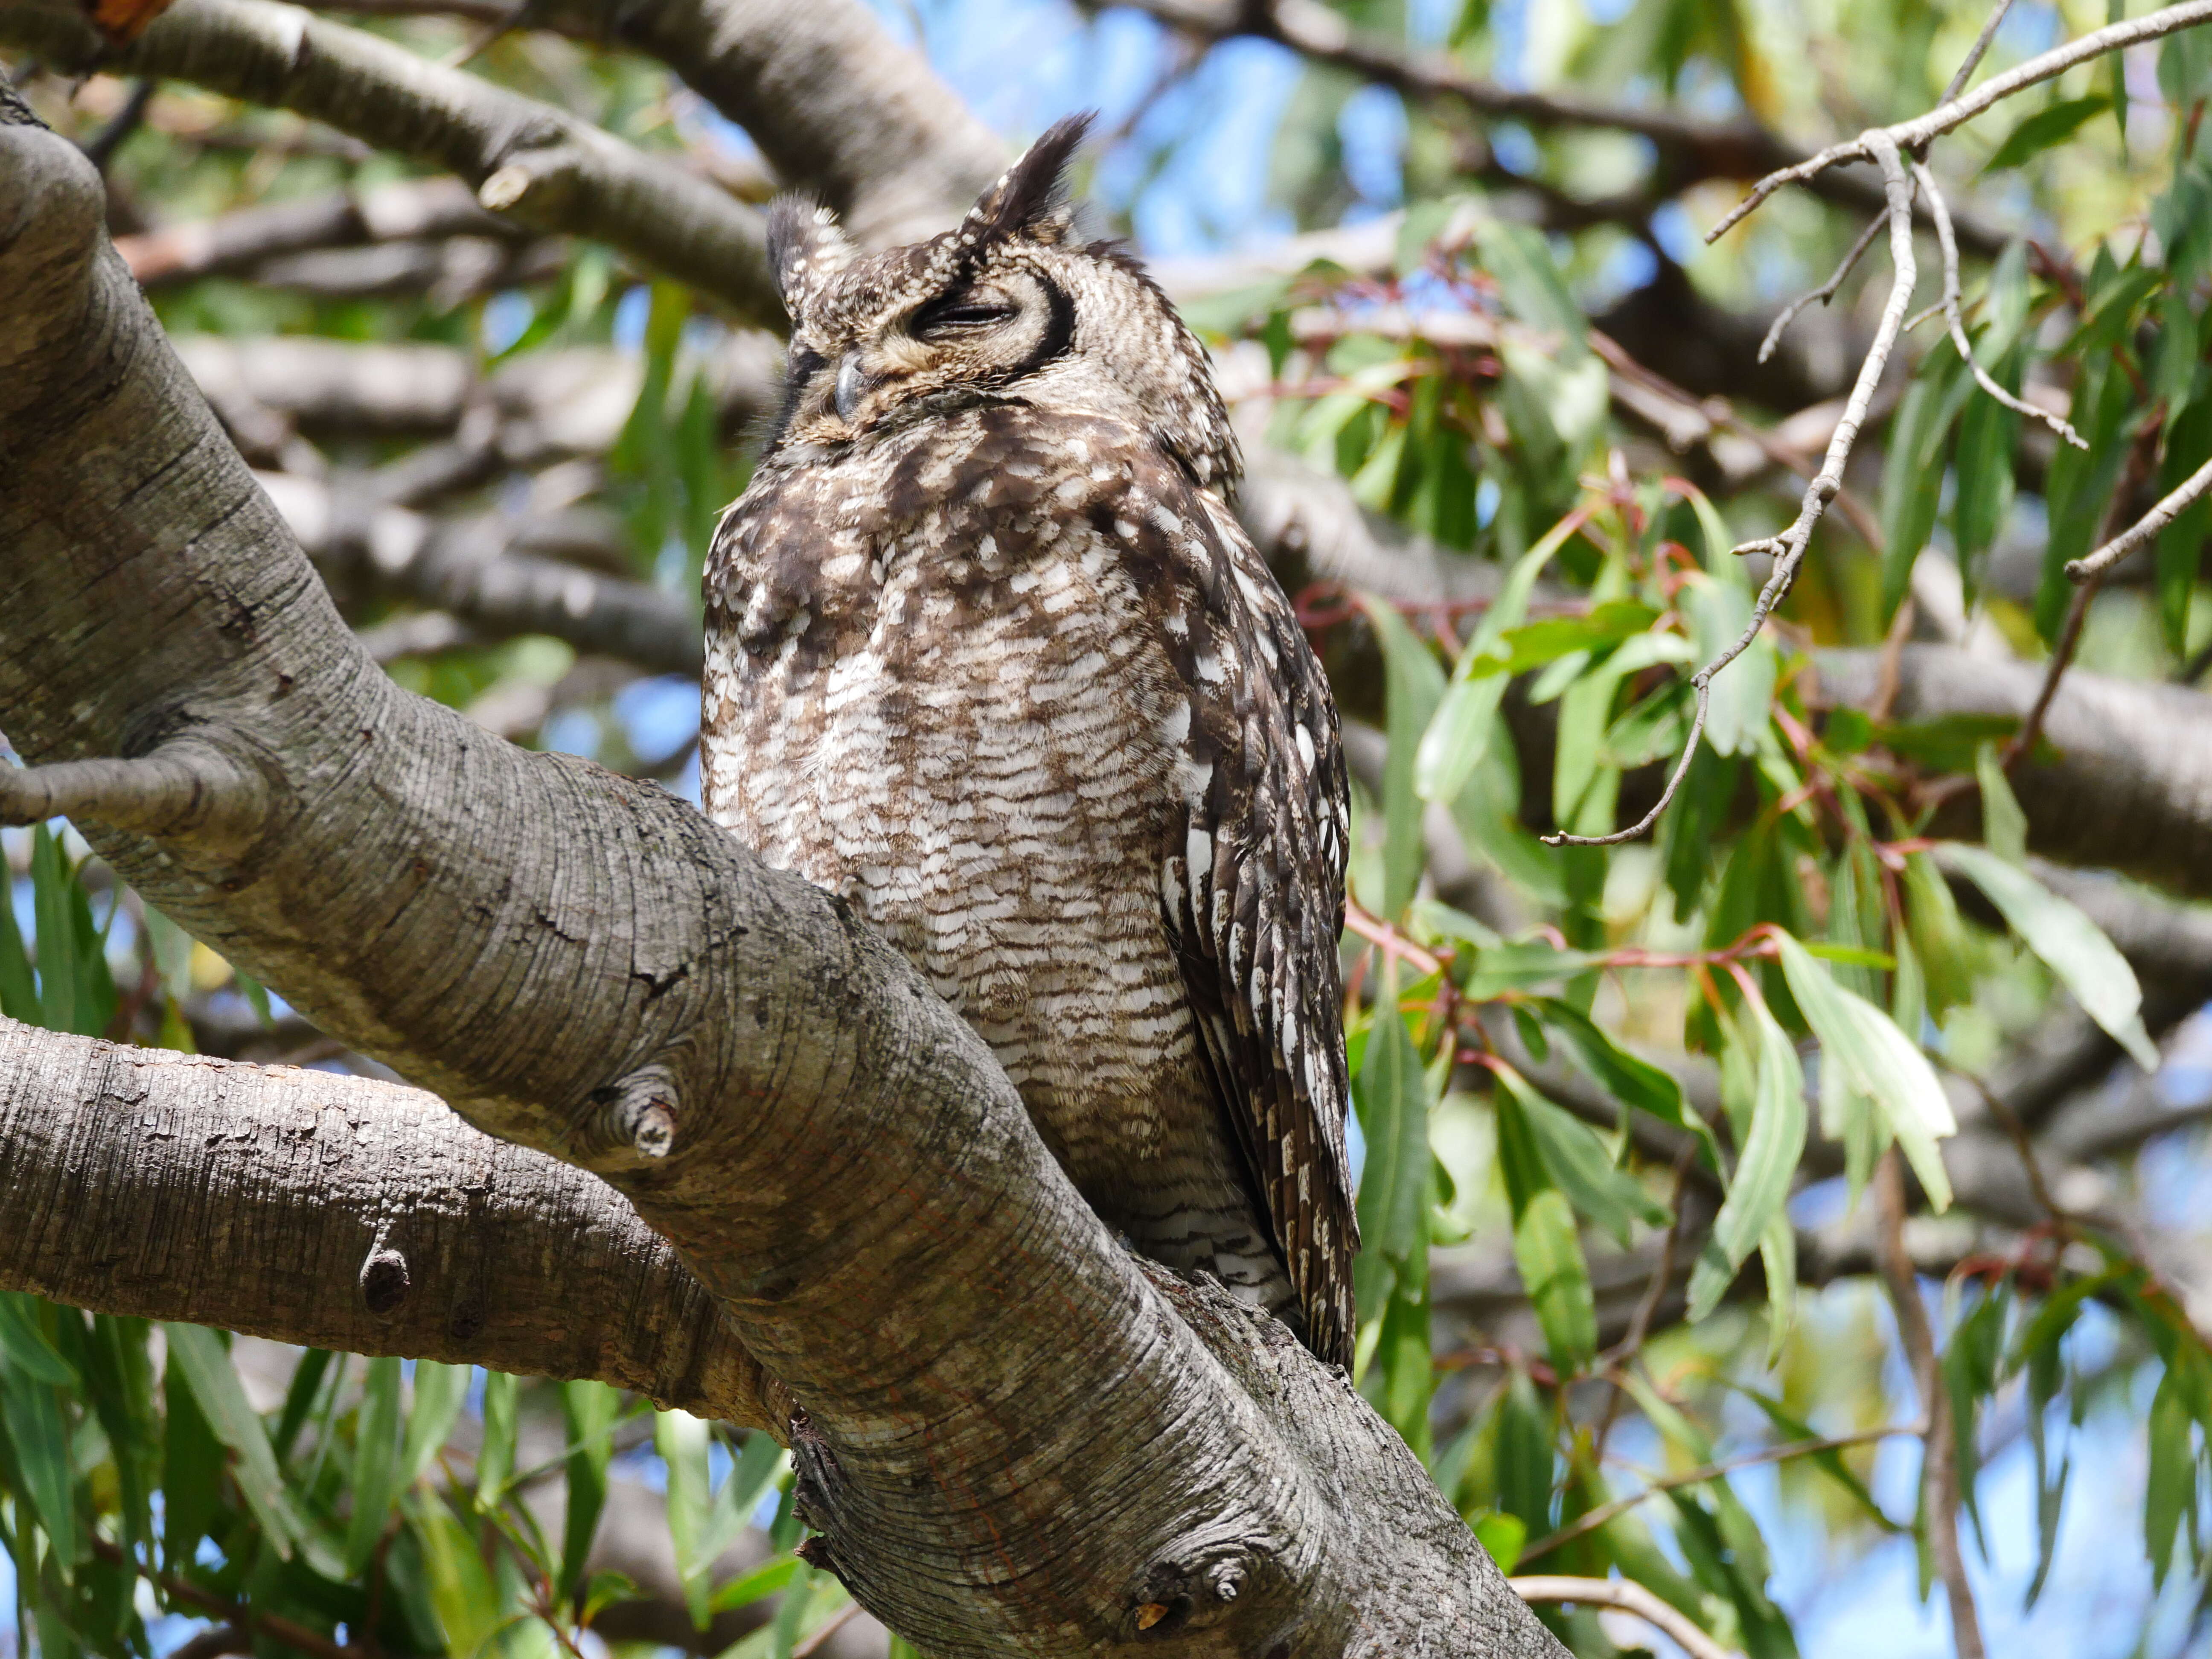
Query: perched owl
{"type": "Point", "coordinates": [988, 655]}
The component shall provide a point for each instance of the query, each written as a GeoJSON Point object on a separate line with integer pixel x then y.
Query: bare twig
{"type": "Point", "coordinates": [2062, 657]}
{"type": "Point", "coordinates": [1913, 134]}
{"type": "Point", "coordinates": [1827, 291]}
{"type": "Point", "coordinates": [1788, 549]}
{"type": "Point", "coordinates": [109, 139]}
{"type": "Point", "coordinates": [1974, 57]}
{"type": "Point", "coordinates": [1782, 1454]}
{"type": "Point", "coordinates": [2093, 568]}
{"type": "Point", "coordinates": [1949, 244]}
{"type": "Point", "coordinates": [1629, 1597]}
{"type": "Point", "coordinates": [821, 1638]}
{"type": "Point", "coordinates": [1940, 1470]}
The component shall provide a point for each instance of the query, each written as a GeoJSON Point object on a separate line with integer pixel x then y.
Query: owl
{"type": "Point", "coordinates": [988, 655]}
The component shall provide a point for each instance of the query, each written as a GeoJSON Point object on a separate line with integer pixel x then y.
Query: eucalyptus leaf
{"type": "Point", "coordinates": [2068, 943]}
{"type": "Point", "coordinates": [1865, 1053]}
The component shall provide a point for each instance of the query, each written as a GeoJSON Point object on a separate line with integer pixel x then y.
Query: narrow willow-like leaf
{"type": "Point", "coordinates": [683, 1441]}
{"type": "Point", "coordinates": [376, 1465]}
{"type": "Point", "coordinates": [1875, 1059]}
{"type": "Point", "coordinates": [1580, 1163]}
{"type": "Point", "coordinates": [2004, 826]}
{"type": "Point", "coordinates": [2071, 945]}
{"type": "Point", "coordinates": [1415, 684]}
{"type": "Point", "coordinates": [1760, 1185]}
{"type": "Point", "coordinates": [200, 1354]}
{"type": "Point", "coordinates": [440, 1392]}
{"type": "Point", "coordinates": [1453, 744]}
{"type": "Point", "coordinates": [1556, 1277]}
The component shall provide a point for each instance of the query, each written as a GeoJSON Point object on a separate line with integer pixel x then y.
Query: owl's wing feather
{"type": "Point", "coordinates": [1252, 886]}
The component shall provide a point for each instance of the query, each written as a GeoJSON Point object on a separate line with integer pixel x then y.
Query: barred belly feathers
{"type": "Point", "coordinates": [988, 654]}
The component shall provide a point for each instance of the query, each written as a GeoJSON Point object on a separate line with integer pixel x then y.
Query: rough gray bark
{"type": "Point", "coordinates": [2129, 787]}
{"type": "Point", "coordinates": [542, 167]}
{"type": "Point", "coordinates": [1015, 1437]}
{"type": "Point", "coordinates": [340, 1213]}
{"type": "Point", "coordinates": [833, 105]}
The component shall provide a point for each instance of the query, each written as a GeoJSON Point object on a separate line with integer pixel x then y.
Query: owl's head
{"type": "Point", "coordinates": [1008, 306]}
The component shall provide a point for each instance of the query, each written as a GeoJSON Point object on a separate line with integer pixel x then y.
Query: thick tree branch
{"type": "Point", "coordinates": [2128, 784]}
{"type": "Point", "coordinates": [1019, 1436]}
{"type": "Point", "coordinates": [339, 1212]}
{"type": "Point", "coordinates": [546, 167]}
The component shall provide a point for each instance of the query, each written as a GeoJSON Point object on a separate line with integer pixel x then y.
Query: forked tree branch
{"type": "Point", "coordinates": [1025, 1438]}
{"type": "Point", "coordinates": [341, 1212]}
{"type": "Point", "coordinates": [543, 166]}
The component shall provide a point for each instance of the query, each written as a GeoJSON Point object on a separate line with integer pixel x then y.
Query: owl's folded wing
{"type": "Point", "coordinates": [1253, 887]}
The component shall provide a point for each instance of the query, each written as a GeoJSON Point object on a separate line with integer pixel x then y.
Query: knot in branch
{"type": "Point", "coordinates": [631, 1119]}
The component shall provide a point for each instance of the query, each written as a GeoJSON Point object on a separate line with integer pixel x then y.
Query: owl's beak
{"type": "Point", "coordinates": [853, 383]}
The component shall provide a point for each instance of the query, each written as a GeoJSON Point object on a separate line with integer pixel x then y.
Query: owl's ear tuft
{"type": "Point", "coordinates": [1031, 198]}
{"type": "Point", "coordinates": [805, 249]}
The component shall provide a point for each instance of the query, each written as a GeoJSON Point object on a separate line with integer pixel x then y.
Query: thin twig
{"type": "Point", "coordinates": [101, 148]}
{"type": "Point", "coordinates": [1827, 291]}
{"type": "Point", "coordinates": [2095, 565]}
{"type": "Point", "coordinates": [1940, 1466]}
{"type": "Point", "coordinates": [1629, 1597]}
{"type": "Point", "coordinates": [274, 1625]}
{"type": "Point", "coordinates": [2024, 1142]}
{"type": "Point", "coordinates": [1949, 244]}
{"type": "Point", "coordinates": [2077, 613]}
{"type": "Point", "coordinates": [2062, 655]}
{"type": "Point", "coordinates": [1788, 549]}
{"type": "Point", "coordinates": [820, 1639]}
{"type": "Point", "coordinates": [1974, 53]}
{"type": "Point", "coordinates": [1781, 1454]}
{"type": "Point", "coordinates": [1647, 1305]}
{"type": "Point", "coordinates": [1915, 134]}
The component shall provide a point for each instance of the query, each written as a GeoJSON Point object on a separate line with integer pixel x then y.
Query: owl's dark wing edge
{"type": "Point", "coordinates": [1253, 897]}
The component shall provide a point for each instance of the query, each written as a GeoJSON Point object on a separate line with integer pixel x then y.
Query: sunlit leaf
{"type": "Point", "coordinates": [2053, 125]}
{"type": "Point", "coordinates": [1875, 1059]}
{"type": "Point", "coordinates": [1581, 1164]}
{"type": "Point", "coordinates": [1761, 1183]}
{"type": "Point", "coordinates": [2071, 945]}
{"type": "Point", "coordinates": [1415, 684]}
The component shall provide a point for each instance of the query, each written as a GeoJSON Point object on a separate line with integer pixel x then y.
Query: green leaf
{"type": "Point", "coordinates": [1503, 1537]}
{"type": "Point", "coordinates": [1946, 743]}
{"type": "Point", "coordinates": [1557, 1279]}
{"type": "Point", "coordinates": [1777, 1255]}
{"type": "Point", "coordinates": [19, 990]}
{"type": "Point", "coordinates": [1392, 1094]}
{"type": "Point", "coordinates": [376, 1475]}
{"type": "Point", "coordinates": [2172, 1485]}
{"type": "Point", "coordinates": [439, 1391]}
{"type": "Point", "coordinates": [2004, 826]}
{"type": "Point", "coordinates": [1760, 1185]}
{"type": "Point", "coordinates": [589, 1409]}
{"type": "Point", "coordinates": [23, 1342]}
{"type": "Point", "coordinates": [192, 1473]}
{"type": "Point", "coordinates": [2181, 543]}
{"type": "Point", "coordinates": [462, 1594]}
{"type": "Point", "coordinates": [683, 1441]}
{"type": "Point", "coordinates": [31, 1413]}
{"type": "Point", "coordinates": [1452, 746]}
{"type": "Point", "coordinates": [2046, 127]}
{"type": "Point", "coordinates": [1868, 1056]}
{"type": "Point", "coordinates": [1912, 469]}
{"type": "Point", "coordinates": [1528, 277]}
{"type": "Point", "coordinates": [758, 1584]}
{"type": "Point", "coordinates": [200, 1354]}
{"type": "Point", "coordinates": [1579, 1161]}
{"type": "Point", "coordinates": [1415, 684]}
{"type": "Point", "coordinates": [495, 1457]}
{"type": "Point", "coordinates": [1518, 966]}
{"type": "Point", "coordinates": [1738, 703]}
{"type": "Point", "coordinates": [2068, 943]}
{"type": "Point", "coordinates": [2080, 483]}
{"type": "Point", "coordinates": [1626, 1077]}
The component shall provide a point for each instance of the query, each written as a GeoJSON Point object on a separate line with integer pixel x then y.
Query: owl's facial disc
{"type": "Point", "coordinates": [981, 338]}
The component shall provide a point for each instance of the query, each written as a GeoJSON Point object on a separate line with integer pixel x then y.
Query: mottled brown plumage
{"type": "Point", "coordinates": [988, 654]}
